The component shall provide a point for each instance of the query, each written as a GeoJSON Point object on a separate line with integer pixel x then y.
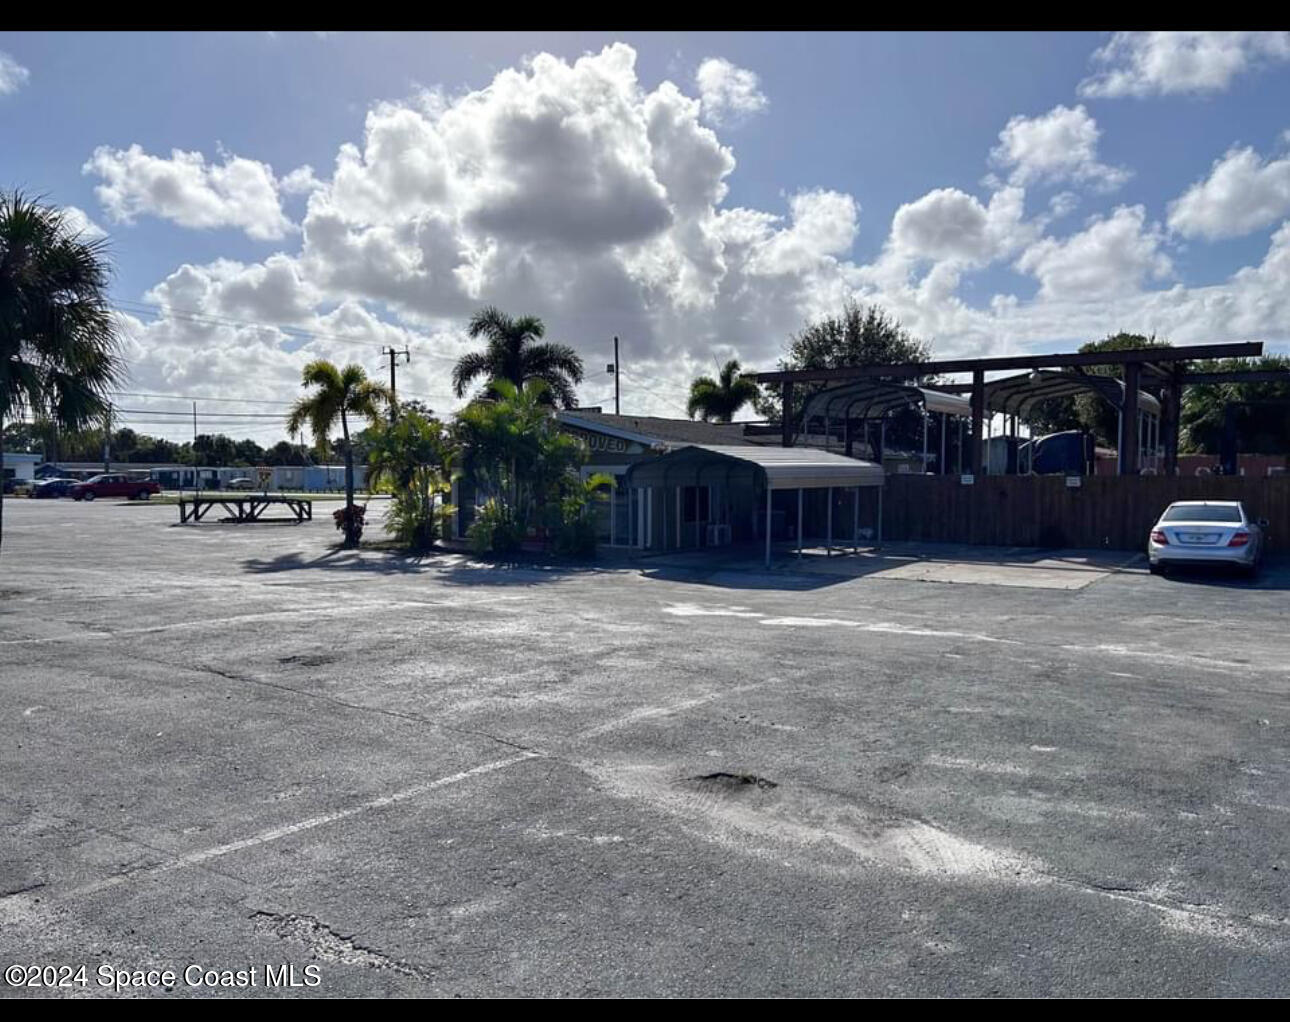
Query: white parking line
{"type": "Point", "coordinates": [276, 833]}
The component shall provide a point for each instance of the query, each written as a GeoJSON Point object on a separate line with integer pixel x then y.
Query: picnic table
{"type": "Point", "coordinates": [246, 509]}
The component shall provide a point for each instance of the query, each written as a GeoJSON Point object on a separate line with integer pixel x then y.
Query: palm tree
{"type": "Point", "coordinates": [721, 399]}
{"type": "Point", "coordinates": [338, 394]}
{"type": "Point", "coordinates": [513, 354]}
{"type": "Point", "coordinates": [60, 353]}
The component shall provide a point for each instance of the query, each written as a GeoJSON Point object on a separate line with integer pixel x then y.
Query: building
{"type": "Point", "coordinates": [292, 478]}
{"type": "Point", "coordinates": [20, 468]}
{"type": "Point", "coordinates": [723, 483]}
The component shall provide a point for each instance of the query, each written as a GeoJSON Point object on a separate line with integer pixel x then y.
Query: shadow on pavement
{"type": "Point", "coordinates": [1273, 576]}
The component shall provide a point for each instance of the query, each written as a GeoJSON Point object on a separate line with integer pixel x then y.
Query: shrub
{"type": "Point", "coordinates": [416, 521]}
{"type": "Point", "coordinates": [495, 530]}
{"type": "Point", "coordinates": [350, 524]}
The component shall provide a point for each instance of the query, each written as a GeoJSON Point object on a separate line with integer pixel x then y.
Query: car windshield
{"type": "Point", "coordinates": [1203, 513]}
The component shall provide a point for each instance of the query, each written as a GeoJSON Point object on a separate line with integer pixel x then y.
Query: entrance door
{"type": "Point", "coordinates": [696, 512]}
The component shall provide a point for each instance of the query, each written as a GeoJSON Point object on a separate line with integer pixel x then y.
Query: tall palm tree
{"type": "Point", "coordinates": [337, 395]}
{"type": "Point", "coordinates": [722, 398]}
{"type": "Point", "coordinates": [513, 353]}
{"type": "Point", "coordinates": [60, 352]}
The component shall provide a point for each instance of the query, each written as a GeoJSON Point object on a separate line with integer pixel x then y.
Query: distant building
{"type": "Point", "coordinates": [21, 468]}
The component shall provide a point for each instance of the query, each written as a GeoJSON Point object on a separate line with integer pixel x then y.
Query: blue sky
{"type": "Point", "coordinates": [862, 166]}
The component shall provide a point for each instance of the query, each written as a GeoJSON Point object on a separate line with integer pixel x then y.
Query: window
{"type": "Point", "coordinates": [1203, 513]}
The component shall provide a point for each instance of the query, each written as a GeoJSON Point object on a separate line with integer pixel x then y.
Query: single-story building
{"type": "Point", "coordinates": [682, 484]}
{"type": "Point", "coordinates": [21, 468]}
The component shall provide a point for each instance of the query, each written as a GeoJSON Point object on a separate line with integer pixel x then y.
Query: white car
{"type": "Point", "coordinates": [1214, 532]}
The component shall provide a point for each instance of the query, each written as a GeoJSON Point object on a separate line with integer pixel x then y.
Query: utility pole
{"type": "Point", "coordinates": [407, 357]}
{"type": "Point", "coordinates": [195, 493]}
{"type": "Point", "coordinates": [613, 370]}
{"type": "Point", "coordinates": [107, 440]}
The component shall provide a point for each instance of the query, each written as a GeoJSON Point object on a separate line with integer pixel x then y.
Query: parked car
{"type": "Point", "coordinates": [242, 483]}
{"type": "Point", "coordinates": [57, 487]}
{"type": "Point", "coordinates": [109, 485]}
{"type": "Point", "coordinates": [1213, 532]}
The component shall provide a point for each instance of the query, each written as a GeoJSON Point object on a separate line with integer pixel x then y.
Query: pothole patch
{"type": "Point", "coordinates": [308, 659]}
{"type": "Point", "coordinates": [326, 945]}
{"type": "Point", "coordinates": [733, 782]}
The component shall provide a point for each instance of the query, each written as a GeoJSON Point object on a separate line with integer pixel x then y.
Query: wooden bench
{"type": "Point", "coordinates": [246, 509]}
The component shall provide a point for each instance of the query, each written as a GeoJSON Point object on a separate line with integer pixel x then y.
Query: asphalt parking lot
{"type": "Point", "coordinates": [232, 747]}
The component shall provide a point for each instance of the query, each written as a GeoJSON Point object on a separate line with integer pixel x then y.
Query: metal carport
{"type": "Point", "coordinates": [770, 468]}
{"type": "Point", "coordinates": [1014, 396]}
{"type": "Point", "coordinates": [864, 400]}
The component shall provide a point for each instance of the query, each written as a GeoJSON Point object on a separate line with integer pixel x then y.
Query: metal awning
{"type": "Point", "coordinates": [866, 399]}
{"type": "Point", "coordinates": [780, 468]}
{"type": "Point", "coordinates": [1016, 395]}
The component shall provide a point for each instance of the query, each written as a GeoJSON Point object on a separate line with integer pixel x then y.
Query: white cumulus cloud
{"type": "Point", "coordinates": [728, 93]}
{"type": "Point", "coordinates": [1161, 63]}
{"type": "Point", "coordinates": [1111, 257]}
{"type": "Point", "coordinates": [78, 223]}
{"type": "Point", "coordinates": [1058, 146]}
{"type": "Point", "coordinates": [186, 189]}
{"type": "Point", "coordinates": [1243, 193]}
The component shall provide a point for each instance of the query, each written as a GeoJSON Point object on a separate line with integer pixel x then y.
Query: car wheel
{"type": "Point", "coordinates": [144, 494]}
{"type": "Point", "coordinates": [89, 495]}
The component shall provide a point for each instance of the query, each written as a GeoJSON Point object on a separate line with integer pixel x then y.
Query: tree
{"type": "Point", "coordinates": [337, 395]}
{"type": "Point", "coordinates": [513, 446]}
{"type": "Point", "coordinates": [60, 352]}
{"type": "Point", "coordinates": [860, 335]}
{"type": "Point", "coordinates": [415, 458]}
{"type": "Point", "coordinates": [1090, 411]}
{"type": "Point", "coordinates": [1260, 428]}
{"type": "Point", "coordinates": [513, 353]}
{"type": "Point", "coordinates": [722, 398]}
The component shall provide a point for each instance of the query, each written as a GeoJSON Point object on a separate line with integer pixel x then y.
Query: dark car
{"type": "Point", "coordinates": [113, 485]}
{"type": "Point", "coordinates": [53, 487]}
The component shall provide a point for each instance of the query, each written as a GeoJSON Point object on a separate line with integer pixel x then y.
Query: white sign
{"type": "Point", "coordinates": [1074, 482]}
{"type": "Point", "coordinates": [967, 479]}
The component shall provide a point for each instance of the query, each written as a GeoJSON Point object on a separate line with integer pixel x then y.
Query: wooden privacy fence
{"type": "Point", "coordinates": [1114, 512]}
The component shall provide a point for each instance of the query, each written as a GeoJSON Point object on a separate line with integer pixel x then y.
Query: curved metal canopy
{"type": "Point", "coordinates": [779, 468]}
{"type": "Point", "coordinates": [1016, 395]}
{"type": "Point", "coordinates": [864, 399]}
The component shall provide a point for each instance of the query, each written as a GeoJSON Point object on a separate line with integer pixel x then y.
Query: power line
{"type": "Point", "coordinates": [198, 397]}
{"type": "Point", "coordinates": [188, 413]}
{"type": "Point", "coordinates": [666, 400]}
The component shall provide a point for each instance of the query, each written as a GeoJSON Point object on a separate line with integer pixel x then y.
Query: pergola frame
{"type": "Point", "coordinates": [1168, 365]}
{"type": "Point", "coordinates": [875, 399]}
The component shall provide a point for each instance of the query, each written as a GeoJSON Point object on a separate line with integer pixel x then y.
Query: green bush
{"type": "Point", "coordinates": [415, 521]}
{"type": "Point", "coordinates": [495, 530]}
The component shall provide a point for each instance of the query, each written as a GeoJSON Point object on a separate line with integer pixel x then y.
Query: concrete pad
{"type": "Point", "coordinates": [920, 562]}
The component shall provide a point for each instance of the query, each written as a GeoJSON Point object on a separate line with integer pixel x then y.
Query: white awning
{"type": "Point", "coordinates": [782, 468]}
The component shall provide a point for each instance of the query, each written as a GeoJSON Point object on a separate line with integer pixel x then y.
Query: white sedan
{"type": "Point", "coordinates": [1198, 532]}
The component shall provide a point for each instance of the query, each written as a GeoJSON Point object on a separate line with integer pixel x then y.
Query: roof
{"type": "Point", "coordinates": [782, 468]}
{"type": "Point", "coordinates": [1014, 395]}
{"type": "Point", "coordinates": [651, 431]}
{"type": "Point", "coordinates": [20, 456]}
{"type": "Point", "coordinates": [863, 399]}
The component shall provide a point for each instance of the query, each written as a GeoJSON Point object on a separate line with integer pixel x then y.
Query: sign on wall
{"type": "Point", "coordinates": [602, 443]}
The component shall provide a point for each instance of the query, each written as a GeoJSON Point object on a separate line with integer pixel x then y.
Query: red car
{"type": "Point", "coordinates": [114, 486]}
